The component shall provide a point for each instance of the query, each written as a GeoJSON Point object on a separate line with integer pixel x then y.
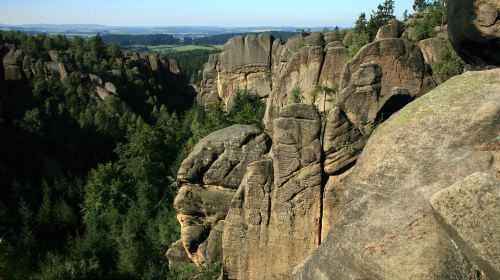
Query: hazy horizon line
{"type": "Point", "coordinates": [156, 26]}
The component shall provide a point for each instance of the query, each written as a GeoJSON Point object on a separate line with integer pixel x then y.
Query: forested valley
{"type": "Point", "coordinates": [87, 183]}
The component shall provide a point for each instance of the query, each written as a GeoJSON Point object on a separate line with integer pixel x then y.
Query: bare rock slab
{"type": "Point", "coordinates": [470, 212]}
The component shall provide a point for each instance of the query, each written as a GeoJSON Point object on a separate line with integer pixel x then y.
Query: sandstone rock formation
{"type": "Point", "coordinates": [359, 109]}
{"type": "Point", "coordinates": [470, 212]}
{"type": "Point", "coordinates": [401, 62]}
{"type": "Point", "coordinates": [245, 63]}
{"type": "Point", "coordinates": [273, 219]}
{"type": "Point", "coordinates": [210, 176]}
{"type": "Point", "coordinates": [56, 67]}
{"type": "Point", "coordinates": [301, 72]}
{"type": "Point", "coordinates": [394, 29]}
{"type": "Point", "coordinates": [271, 69]}
{"type": "Point", "coordinates": [386, 229]}
{"type": "Point", "coordinates": [274, 224]}
{"type": "Point", "coordinates": [221, 158]}
{"type": "Point", "coordinates": [474, 30]}
{"type": "Point", "coordinates": [176, 254]}
{"type": "Point", "coordinates": [335, 58]}
{"type": "Point", "coordinates": [207, 92]}
{"type": "Point", "coordinates": [12, 64]}
{"type": "Point", "coordinates": [431, 47]}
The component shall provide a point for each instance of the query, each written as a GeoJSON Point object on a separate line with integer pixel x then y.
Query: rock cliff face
{"type": "Point", "coordinates": [272, 220]}
{"type": "Point", "coordinates": [367, 183]}
{"type": "Point", "coordinates": [436, 140]}
{"type": "Point", "coordinates": [273, 69]}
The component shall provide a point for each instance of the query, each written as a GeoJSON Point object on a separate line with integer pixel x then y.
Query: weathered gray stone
{"type": "Point", "coordinates": [470, 212]}
{"type": "Point", "coordinates": [386, 229]}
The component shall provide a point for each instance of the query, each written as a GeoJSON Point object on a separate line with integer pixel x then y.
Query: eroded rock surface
{"type": "Point", "coordinates": [358, 110]}
{"type": "Point", "coordinates": [442, 136]}
{"type": "Point", "coordinates": [394, 29]}
{"type": "Point", "coordinates": [221, 158]}
{"type": "Point", "coordinates": [245, 63]}
{"type": "Point", "coordinates": [470, 212]}
{"type": "Point", "coordinates": [274, 224]}
{"type": "Point", "coordinates": [401, 62]}
{"type": "Point", "coordinates": [210, 176]}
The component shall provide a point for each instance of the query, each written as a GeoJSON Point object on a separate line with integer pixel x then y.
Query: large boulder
{"type": "Point", "coordinates": [401, 62]}
{"type": "Point", "coordinates": [386, 229]}
{"type": "Point", "coordinates": [431, 47]}
{"type": "Point", "coordinates": [470, 212]}
{"type": "Point", "coordinates": [474, 30]}
{"type": "Point", "coordinates": [394, 29]}
{"type": "Point", "coordinates": [275, 218]}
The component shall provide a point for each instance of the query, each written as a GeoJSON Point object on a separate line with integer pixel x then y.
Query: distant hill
{"type": "Point", "coordinates": [125, 40]}
{"type": "Point", "coordinates": [176, 31]}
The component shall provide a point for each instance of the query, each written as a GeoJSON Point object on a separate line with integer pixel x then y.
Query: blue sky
{"type": "Point", "coordinates": [301, 13]}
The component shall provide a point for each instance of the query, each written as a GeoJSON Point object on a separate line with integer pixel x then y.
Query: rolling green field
{"type": "Point", "coordinates": [171, 48]}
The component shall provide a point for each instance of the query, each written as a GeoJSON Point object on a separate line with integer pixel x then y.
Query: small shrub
{"type": "Point", "coordinates": [432, 14]}
{"type": "Point", "coordinates": [448, 64]}
{"type": "Point", "coordinates": [188, 271]}
{"type": "Point", "coordinates": [247, 108]}
{"type": "Point", "coordinates": [359, 39]}
{"type": "Point", "coordinates": [348, 147]}
{"type": "Point", "coordinates": [302, 44]}
{"type": "Point", "coordinates": [295, 95]}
